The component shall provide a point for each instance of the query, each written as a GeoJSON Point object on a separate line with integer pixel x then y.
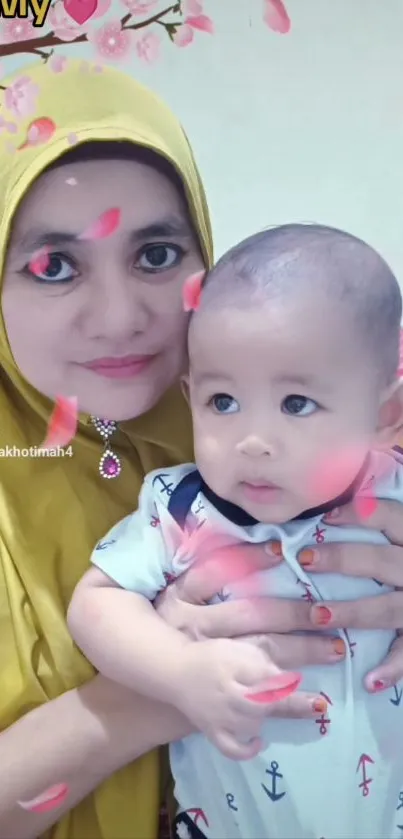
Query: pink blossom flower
{"type": "Point", "coordinates": [184, 35]}
{"type": "Point", "coordinates": [276, 17]}
{"type": "Point", "coordinates": [18, 29]}
{"type": "Point", "coordinates": [20, 97]}
{"type": "Point", "coordinates": [148, 47]}
{"type": "Point", "coordinates": [111, 41]}
{"type": "Point", "coordinates": [140, 7]}
{"type": "Point", "coordinates": [62, 25]}
{"type": "Point", "coordinates": [57, 63]}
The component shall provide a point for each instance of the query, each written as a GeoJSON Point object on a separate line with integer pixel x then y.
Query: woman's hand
{"type": "Point", "coordinates": [257, 620]}
{"type": "Point", "coordinates": [267, 621]}
{"type": "Point", "coordinates": [383, 563]}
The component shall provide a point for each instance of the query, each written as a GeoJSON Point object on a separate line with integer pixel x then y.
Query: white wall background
{"type": "Point", "coordinates": [304, 126]}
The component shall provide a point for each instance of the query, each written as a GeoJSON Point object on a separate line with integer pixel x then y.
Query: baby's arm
{"type": "Point", "coordinates": [122, 635]}
{"type": "Point", "coordinates": [120, 632]}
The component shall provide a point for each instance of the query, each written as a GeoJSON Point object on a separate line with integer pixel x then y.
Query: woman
{"type": "Point", "coordinates": [96, 313]}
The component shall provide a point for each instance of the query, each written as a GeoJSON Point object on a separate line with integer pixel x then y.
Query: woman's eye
{"type": "Point", "coordinates": [51, 268]}
{"type": "Point", "coordinates": [224, 404]}
{"type": "Point", "coordinates": [299, 406]}
{"type": "Point", "coordinates": [159, 257]}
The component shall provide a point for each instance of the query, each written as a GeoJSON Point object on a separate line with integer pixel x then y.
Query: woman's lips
{"type": "Point", "coordinates": [126, 367]}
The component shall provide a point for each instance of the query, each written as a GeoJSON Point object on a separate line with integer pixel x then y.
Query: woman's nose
{"type": "Point", "coordinates": [117, 310]}
{"type": "Point", "coordinates": [255, 446]}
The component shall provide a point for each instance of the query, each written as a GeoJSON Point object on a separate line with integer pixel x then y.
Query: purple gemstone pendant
{"type": "Point", "coordinates": [109, 465]}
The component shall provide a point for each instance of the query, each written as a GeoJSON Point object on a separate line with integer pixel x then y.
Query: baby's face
{"type": "Point", "coordinates": [275, 391]}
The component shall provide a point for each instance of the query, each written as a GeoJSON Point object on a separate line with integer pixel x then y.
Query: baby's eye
{"type": "Point", "coordinates": [224, 404]}
{"type": "Point", "coordinates": [299, 406]}
{"type": "Point", "coordinates": [159, 257]}
{"type": "Point", "coordinates": [51, 268]}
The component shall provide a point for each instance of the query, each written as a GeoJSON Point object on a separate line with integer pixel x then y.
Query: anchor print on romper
{"type": "Point", "coordinates": [162, 486]}
{"type": "Point", "coordinates": [399, 807]}
{"type": "Point", "coordinates": [101, 546]}
{"type": "Point", "coordinates": [154, 521]}
{"type": "Point", "coordinates": [307, 595]}
{"type": "Point", "coordinates": [363, 770]}
{"type": "Point", "coordinates": [275, 777]}
{"type": "Point", "coordinates": [397, 698]}
{"type": "Point", "coordinates": [324, 721]}
{"type": "Point", "coordinates": [169, 578]}
{"type": "Point", "coordinates": [351, 644]}
{"type": "Point", "coordinates": [319, 534]}
{"type": "Point", "coordinates": [231, 805]}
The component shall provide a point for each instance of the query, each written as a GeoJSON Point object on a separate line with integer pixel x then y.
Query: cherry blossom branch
{"type": "Point", "coordinates": [36, 46]}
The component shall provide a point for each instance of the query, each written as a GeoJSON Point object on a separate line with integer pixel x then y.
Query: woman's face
{"type": "Point", "coordinates": [101, 318]}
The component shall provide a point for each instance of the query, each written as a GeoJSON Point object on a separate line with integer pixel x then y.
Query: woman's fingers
{"type": "Point", "coordinates": [290, 652]}
{"type": "Point", "coordinates": [383, 563]}
{"type": "Point", "coordinates": [386, 517]}
{"type": "Point", "coordinates": [248, 617]}
{"type": "Point", "coordinates": [382, 612]}
{"type": "Point", "coordinates": [389, 672]}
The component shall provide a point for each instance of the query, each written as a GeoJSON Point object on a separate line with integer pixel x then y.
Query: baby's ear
{"type": "Point", "coordinates": [390, 420]}
{"type": "Point", "coordinates": [185, 387]}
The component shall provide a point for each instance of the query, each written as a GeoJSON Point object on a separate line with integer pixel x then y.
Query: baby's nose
{"type": "Point", "coordinates": [254, 446]}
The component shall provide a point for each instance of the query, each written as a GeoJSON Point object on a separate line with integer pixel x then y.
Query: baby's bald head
{"type": "Point", "coordinates": [297, 261]}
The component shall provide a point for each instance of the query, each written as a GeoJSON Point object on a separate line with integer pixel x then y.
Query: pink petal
{"type": "Point", "coordinates": [365, 507]}
{"type": "Point", "coordinates": [201, 22]}
{"type": "Point", "coordinates": [193, 7]}
{"type": "Point", "coordinates": [276, 688]}
{"type": "Point", "coordinates": [191, 292]}
{"type": "Point", "coordinates": [63, 423]}
{"type": "Point", "coordinates": [276, 16]}
{"type": "Point", "coordinates": [104, 226]}
{"type": "Point", "coordinates": [48, 800]}
{"type": "Point", "coordinates": [183, 36]}
{"type": "Point", "coordinates": [72, 139]}
{"type": "Point", "coordinates": [101, 10]}
{"type": "Point", "coordinates": [40, 261]}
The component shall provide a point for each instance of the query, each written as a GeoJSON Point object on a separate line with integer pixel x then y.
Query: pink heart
{"type": "Point", "coordinates": [80, 10]}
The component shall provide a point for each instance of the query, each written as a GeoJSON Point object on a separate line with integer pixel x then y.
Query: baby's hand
{"type": "Point", "coordinates": [214, 689]}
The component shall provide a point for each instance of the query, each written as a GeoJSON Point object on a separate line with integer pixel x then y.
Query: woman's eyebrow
{"type": "Point", "coordinates": [170, 227]}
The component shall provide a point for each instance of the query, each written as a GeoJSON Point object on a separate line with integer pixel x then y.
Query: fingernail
{"type": "Point", "coordinates": [319, 706]}
{"type": "Point", "coordinates": [321, 615]}
{"type": "Point", "coordinates": [334, 514]}
{"type": "Point", "coordinates": [307, 557]}
{"type": "Point", "coordinates": [379, 684]}
{"type": "Point", "coordinates": [339, 646]}
{"type": "Point", "coordinates": [273, 548]}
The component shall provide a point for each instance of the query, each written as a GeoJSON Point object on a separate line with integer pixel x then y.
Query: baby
{"type": "Point", "coordinates": [292, 384]}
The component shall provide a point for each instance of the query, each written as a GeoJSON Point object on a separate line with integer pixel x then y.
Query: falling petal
{"type": "Point", "coordinates": [11, 127]}
{"type": "Point", "coordinates": [191, 292]}
{"type": "Point", "coordinates": [276, 16]}
{"type": "Point", "coordinates": [104, 226]}
{"type": "Point", "coordinates": [365, 506]}
{"type": "Point", "coordinates": [334, 473]}
{"type": "Point", "coordinates": [201, 22]}
{"type": "Point", "coordinates": [276, 688]}
{"type": "Point", "coordinates": [63, 423]}
{"type": "Point", "coordinates": [39, 131]}
{"type": "Point", "coordinates": [48, 800]}
{"type": "Point", "coordinates": [72, 181]}
{"type": "Point", "coordinates": [40, 261]}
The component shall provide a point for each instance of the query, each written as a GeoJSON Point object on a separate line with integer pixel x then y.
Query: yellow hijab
{"type": "Point", "coordinates": [53, 510]}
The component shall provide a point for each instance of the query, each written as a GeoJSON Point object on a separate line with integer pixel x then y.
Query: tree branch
{"type": "Point", "coordinates": [36, 46]}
